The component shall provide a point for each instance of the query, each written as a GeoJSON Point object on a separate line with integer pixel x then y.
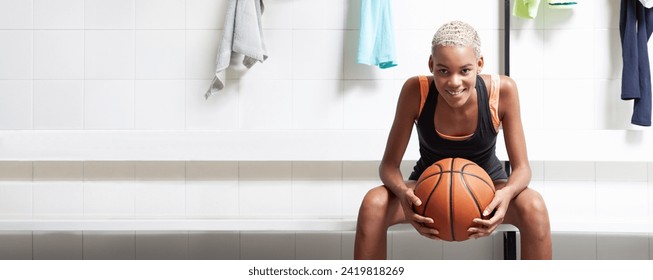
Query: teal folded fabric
{"type": "Point", "coordinates": [376, 44]}
{"type": "Point", "coordinates": [557, 4]}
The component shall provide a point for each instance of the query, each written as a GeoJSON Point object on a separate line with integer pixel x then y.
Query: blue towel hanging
{"type": "Point", "coordinates": [635, 28]}
{"type": "Point", "coordinates": [376, 45]}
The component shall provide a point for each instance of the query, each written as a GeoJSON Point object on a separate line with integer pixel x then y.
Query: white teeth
{"type": "Point", "coordinates": [455, 92]}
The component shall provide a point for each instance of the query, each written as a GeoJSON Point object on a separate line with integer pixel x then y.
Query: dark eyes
{"type": "Point", "coordinates": [446, 72]}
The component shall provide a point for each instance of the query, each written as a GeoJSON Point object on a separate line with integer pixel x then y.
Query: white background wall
{"type": "Point", "coordinates": [145, 64]}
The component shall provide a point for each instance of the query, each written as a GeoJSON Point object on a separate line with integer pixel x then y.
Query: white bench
{"type": "Point", "coordinates": [289, 145]}
{"type": "Point", "coordinates": [273, 224]}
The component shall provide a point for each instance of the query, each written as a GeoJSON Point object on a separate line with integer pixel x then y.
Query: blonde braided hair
{"type": "Point", "coordinates": [457, 33]}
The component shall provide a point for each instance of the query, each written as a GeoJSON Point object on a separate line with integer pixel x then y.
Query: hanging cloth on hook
{"type": "Point", "coordinates": [647, 3]}
{"type": "Point", "coordinates": [376, 43]}
{"type": "Point", "coordinates": [525, 8]}
{"type": "Point", "coordinates": [243, 34]}
{"type": "Point", "coordinates": [635, 28]}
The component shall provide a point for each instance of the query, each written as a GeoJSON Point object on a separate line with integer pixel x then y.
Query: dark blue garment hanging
{"type": "Point", "coordinates": [635, 28]}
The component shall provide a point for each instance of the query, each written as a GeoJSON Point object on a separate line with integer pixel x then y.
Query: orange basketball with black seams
{"type": "Point", "coordinates": [453, 191]}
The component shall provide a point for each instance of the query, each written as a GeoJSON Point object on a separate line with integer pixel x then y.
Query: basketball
{"type": "Point", "coordinates": [453, 192]}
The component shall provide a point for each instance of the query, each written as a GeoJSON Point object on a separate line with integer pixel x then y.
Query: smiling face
{"type": "Point", "coordinates": [454, 71]}
{"type": "Point", "coordinates": [455, 62]}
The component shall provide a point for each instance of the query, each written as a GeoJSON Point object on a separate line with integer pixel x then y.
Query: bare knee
{"type": "Point", "coordinates": [534, 204]}
{"type": "Point", "coordinates": [531, 213]}
{"type": "Point", "coordinates": [375, 202]}
{"type": "Point", "coordinates": [379, 209]}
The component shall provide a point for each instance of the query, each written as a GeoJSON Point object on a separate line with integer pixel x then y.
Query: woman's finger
{"type": "Point", "coordinates": [426, 231]}
{"type": "Point", "coordinates": [412, 199]}
{"type": "Point", "coordinates": [482, 231]}
{"type": "Point", "coordinates": [421, 219]}
{"type": "Point", "coordinates": [491, 208]}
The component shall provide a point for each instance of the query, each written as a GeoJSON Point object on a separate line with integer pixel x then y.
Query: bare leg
{"type": "Point", "coordinates": [379, 210]}
{"type": "Point", "coordinates": [528, 213]}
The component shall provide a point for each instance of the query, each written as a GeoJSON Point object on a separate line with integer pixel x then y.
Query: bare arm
{"type": "Point", "coordinates": [513, 132]}
{"type": "Point", "coordinates": [509, 113]}
{"type": "Point", "coordinates": [402, 126]}
{"type": "Point", "coordinates": [389, 170]}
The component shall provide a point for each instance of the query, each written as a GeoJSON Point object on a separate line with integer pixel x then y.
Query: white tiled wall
{"type": "Point", "coordinates": [145, 64]}
{"type": "Point", "coordinates": [67, 63]}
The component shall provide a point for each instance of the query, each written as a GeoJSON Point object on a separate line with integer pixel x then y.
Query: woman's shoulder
{"type": "Point", "coordinates": [506, 84]}
{"type": "Point", "coordinates": [414, 80]}
{"type": "Point", "coordinates": [506, 97]}
{"type": "Point", "coordinates": [412, 85]}
{"type": "Point", "coordinates": [410, 96]}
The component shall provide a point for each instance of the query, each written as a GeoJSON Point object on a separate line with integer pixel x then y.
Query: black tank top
{"type": "Point", "coordinates": [479, 148]}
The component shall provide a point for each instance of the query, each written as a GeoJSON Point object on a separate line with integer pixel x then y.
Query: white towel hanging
{"type": "Point", "coordinates": [243, 34]}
